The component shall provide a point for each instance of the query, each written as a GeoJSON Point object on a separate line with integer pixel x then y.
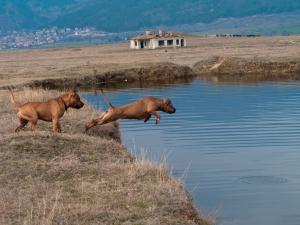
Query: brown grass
{"type": "Point", "coordinates": [74, 178]}
{"type": "Point", "coordinates": [222, 69]}
{"type": "Point", "coordinates": [19, 67]}
{"type": "Point", "coordinates": [72, 122]}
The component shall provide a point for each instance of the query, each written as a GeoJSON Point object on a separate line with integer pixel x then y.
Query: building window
{"type": "Point", "coordinates": [177, 41]}
{"type": "Point", "coordinates": [170, 42]}
{"type": "Point", "coordinates": [135, 43]}
{"type": "Point", "coordinates": [161, 43]}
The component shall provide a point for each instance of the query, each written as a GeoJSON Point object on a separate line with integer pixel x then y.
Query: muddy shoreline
{"type": "Point", "coordinates": [216, 69]}
{"type": "Point", "coordinates": [134, 77]}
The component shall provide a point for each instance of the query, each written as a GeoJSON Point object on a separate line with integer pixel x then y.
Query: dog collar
{"type": "Point", "coordinates": [66, 107]}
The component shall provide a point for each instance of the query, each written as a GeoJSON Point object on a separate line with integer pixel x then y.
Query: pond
{"type": "Point", "coordinates": [235, 146]}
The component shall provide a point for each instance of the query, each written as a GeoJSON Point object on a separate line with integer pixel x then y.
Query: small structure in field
{"type": "Point", "coordinates": [159, 39]}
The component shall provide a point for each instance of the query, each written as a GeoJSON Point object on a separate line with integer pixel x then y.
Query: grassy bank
{"type": "Point", "coordinates": [148, 73]}
{"type": "Point", "coordinates": [76, 178]}
{"type": "Point", "coordinates": [222, 69]}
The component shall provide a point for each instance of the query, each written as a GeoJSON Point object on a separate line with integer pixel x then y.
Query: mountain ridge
{"type": "Point", "coordinates": [117, 16]}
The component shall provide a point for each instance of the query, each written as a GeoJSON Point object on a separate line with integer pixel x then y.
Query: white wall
{"type": "Point", "coordinates": [132, 44]}
{"type": "Point", "coordinates": [147, 44]}
{"type": "Point", "coordinates": [153, 43]}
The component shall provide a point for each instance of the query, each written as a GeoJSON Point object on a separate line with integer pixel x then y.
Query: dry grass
{"type": "Point", "coordinates": [74, 178]}
{"type": "Point", "coordinates": [19, 67]}
{"type": "Point", "coordinates": [72, 122]}
{"type": "Point", "coordinates": [222, 69]}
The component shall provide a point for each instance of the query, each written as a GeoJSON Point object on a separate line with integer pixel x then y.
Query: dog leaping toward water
{"type": "Point", "coordinates": [141, 109]}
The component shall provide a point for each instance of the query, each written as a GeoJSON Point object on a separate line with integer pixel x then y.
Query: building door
{"type": "Point", "coordinates": [142, 44]}
{"type": "Point", "coordinates": [182, 42]}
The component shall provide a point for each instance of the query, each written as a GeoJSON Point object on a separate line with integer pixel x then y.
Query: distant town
{"type": "Point", "coordinates": [51, 37]}
{"type": "Point", "coordinates": [58, 37]}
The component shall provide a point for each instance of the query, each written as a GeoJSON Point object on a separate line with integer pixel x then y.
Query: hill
{"type": "Point", "coordinates": [115, 15]}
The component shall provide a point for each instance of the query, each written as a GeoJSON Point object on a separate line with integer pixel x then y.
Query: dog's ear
{"type": "Point", "coordinates": [73, 91]}
{"type": "Point", "coordinates": [167, 101]}
{"type": "Point", "coordinates": [72, 94]}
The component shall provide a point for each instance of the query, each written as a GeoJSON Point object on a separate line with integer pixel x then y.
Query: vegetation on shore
{"type": "Point", "coordinates": [77, 178]}
{"type": "Point", "coordinates": [231, 69]}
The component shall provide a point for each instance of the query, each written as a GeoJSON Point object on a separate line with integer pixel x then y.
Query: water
{"type": "Point", "coordinates": [237, 147]}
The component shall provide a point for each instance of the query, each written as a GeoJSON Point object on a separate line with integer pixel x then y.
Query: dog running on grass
{"type": "Point", "coordinates": [141, 109]}
{"type": "Point", "coordinates": [50, 111]}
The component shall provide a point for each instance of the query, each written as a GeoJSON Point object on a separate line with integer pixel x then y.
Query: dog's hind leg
{"type": "Point", "coordinates": [93, 123]}
{"type": "Point", "coordinates": [23, 123]}
{"type": "Point", "coordinates": [33, 119]}
{"type": "Point", "coordinates": [99, 121]}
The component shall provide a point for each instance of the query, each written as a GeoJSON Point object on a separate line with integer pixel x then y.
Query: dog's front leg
{"type": "Point", "coordinates": [59, 127]}
{"type": "Point", "coordinates": [33, 125]}
{"type": "Point", "coordinates": [147, 118]}
{"type": "Point", "coordinates": [55, 125]}
{"type": "Point", "coordinates": [157, 116]}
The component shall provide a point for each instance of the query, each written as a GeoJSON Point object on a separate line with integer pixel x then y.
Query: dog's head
{"type": "Point", "coordinates": [73, 100]}
{"type": "Point", "coordinates": [167, 106]}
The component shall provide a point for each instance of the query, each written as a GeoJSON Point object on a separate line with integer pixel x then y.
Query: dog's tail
{"type": "Point", "coordinates": [106, 99]}
{"type": "Point", "coordinates": [13, 100]}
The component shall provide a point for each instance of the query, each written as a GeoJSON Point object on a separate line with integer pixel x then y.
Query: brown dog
{"type": "Point", "coordinates": [140, 109]}
{"type": "Point", "coordinates": [50, 111]}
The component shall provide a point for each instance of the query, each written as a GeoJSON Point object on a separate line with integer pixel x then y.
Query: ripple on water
{"type": "Point", "coordinates": [233, 129]}
{"type": "Point", "coordinates": [265, 180]}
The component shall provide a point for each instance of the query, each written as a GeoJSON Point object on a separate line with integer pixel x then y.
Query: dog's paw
{"type": "Point", "coordinates": [86, 128]}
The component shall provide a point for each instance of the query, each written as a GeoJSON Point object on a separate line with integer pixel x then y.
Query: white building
{"type": "Point", "coordinates": [160, 39]}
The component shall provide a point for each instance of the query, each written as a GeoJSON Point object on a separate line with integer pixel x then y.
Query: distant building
{"type": "Point", "coordinates": [159, 39]}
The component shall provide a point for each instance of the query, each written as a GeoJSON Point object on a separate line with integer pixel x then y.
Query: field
{"type": "Point", "coordinates": [22, 66]}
